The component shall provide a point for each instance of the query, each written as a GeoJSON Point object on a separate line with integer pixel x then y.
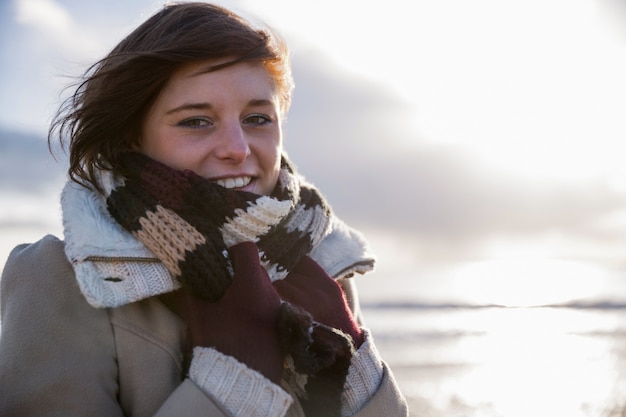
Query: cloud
{"type": "Point", "coordinates": [349, 136]}
{"type": "Point", "coordinates": [47, 15]}
{"type": "Point", "coordinates": [44, 45]}
{"type": "Point", "coordinates": [54, 28]}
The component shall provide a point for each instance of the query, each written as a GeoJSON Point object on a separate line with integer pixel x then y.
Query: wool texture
{"type": "Point", "coordinates": [189, 222]}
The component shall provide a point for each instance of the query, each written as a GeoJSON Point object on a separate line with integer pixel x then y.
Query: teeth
{"type": "Point", "coordinates": [236, 182]}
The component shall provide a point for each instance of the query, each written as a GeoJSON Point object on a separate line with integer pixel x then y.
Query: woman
{"type": "Point", "coordinates": [195, 274]}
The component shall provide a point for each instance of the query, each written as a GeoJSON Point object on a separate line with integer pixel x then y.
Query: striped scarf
{"type": "Point", "coordinates": [189, 222]}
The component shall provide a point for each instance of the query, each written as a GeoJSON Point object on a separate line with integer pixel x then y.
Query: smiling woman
{"type": "Point", "coordinates": [529, 92]}
{"type": "Point", "coordinates": [199, 274]}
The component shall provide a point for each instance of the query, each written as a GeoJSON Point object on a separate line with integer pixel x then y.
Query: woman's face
{"type": "Point", "coordinates": [224, 125]}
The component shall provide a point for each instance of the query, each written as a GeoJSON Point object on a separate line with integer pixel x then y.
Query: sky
{"type": "Point", "coordinates": [478, 145]}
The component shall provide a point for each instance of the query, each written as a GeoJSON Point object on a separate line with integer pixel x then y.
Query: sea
{"type": "Point", "coordinates": [455, 360]}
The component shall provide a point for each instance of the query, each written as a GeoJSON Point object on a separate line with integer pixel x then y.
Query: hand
{"type": "Point", "coordinates": [243, 322]}
{"type": "Point", "coordinates": [310, 287]}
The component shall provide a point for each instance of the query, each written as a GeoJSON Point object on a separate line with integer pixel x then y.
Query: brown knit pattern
{"type": "Point", "coordinates": [189, 222]}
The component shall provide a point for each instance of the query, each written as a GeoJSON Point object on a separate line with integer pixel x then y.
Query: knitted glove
{"type": "Point", "coordinates": [321, 337]}
{"type": "Point", "coordinates": [243, 322]}
{"type": "Point", "coordinates": [310, 287]}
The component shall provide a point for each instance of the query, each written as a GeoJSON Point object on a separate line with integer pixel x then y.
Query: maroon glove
{"type": "Point", "coordinates": [319, 351]}
{"type": "Point", "coordinates": [243, 322]}
{"type": "Point", "coordinates": [310, 287]}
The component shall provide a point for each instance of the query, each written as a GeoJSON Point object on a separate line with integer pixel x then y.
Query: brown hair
{"type": "Point", "coordinates": [103, 118]}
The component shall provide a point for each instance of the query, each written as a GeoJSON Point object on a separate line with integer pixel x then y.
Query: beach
{"type": "Point", "coordinates": [477, 145]}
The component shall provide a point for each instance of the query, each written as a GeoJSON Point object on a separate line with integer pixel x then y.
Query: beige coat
{"type": "Point", "coordinates": [60, 356]}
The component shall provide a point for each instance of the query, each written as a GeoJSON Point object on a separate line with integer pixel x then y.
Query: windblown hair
{"type": "Point", "coordinates": [104, 116]}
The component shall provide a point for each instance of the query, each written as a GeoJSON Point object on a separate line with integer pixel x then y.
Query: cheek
{"type": "Point", "coordinates": [150, 142]}
{"type": "Point", "coordinates": [157, 150]}
{"type": "Point", "coordinates": [163, 149]}
{"type": "Point", "coordinates": [276, 159]}
{"type": "Point", "coordinates": [270, 151]}
{"type": "Point", "coordinates": [271, 161]}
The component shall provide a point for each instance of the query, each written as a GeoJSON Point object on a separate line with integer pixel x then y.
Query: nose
{"type": "Point", "coordinates": [233, 144]}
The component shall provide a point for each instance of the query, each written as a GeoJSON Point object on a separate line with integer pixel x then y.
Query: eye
{"type": "Point", "coordinates": [196, 122]}
{"type": "Point", "coordinates": [257, 120]}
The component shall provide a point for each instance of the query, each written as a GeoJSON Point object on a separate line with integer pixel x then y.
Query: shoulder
{"type": "Point", "coordinates": [49, 245]}
{"type": "Point", "coordinates": [38, 287]}
{"type": "Point", "coordinates": [44, 256]}
{"type": "Point", "coordinates": [38, 271]}
{"type": "Point", "coordinates": [56, 351]}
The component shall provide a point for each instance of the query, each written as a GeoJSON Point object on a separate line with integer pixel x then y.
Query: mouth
{"type": "Point", "coordinates": [234, 182]}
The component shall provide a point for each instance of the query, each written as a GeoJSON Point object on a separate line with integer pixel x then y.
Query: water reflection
{"type": "Point", "coordinates": [511, 362]}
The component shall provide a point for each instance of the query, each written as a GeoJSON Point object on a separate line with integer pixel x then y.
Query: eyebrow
{"type": "Point", "coordinates": [190, 106]}
{"type": "Point", "coordinates": [207, 106]}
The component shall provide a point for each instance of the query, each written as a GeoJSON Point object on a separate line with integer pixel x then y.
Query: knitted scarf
{"type": "Point", "coordinates": [189, 222]}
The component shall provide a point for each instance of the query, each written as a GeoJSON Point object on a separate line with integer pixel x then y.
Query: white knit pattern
{"type": "Point", "coordinates": [273, 270]}
{"type": "Point", "coordinates": [242, 391]}
{"type": "Point", "coordinates": [255, 221]}
{"type": "Point", "coordinates": [112, 283]}
{"type": "Point", "coordinates": [290, 181]}
{"type": "Point", "coordinates": [310, 219]}
{"type": "Point", "coordinates": [102, 253]}
{"type": "Point", "coordinates": [364, 377]}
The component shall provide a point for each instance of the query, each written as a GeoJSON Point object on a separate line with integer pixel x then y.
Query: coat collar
{"type": "Point", "coordinates": [113, 268]}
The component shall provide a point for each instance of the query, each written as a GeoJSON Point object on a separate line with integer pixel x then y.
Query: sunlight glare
{"type": "Point", "coordinates": [537, 362]}
{"type": "Point", "coordinates": [530, 282]}
{"type": "Point", "coordinates": [532, 88]}
{"type": "Point", "coordinates": [528, 364]}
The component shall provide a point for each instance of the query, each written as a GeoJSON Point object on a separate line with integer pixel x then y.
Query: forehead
{"type": "Point", "coordinates": [241, 79]}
